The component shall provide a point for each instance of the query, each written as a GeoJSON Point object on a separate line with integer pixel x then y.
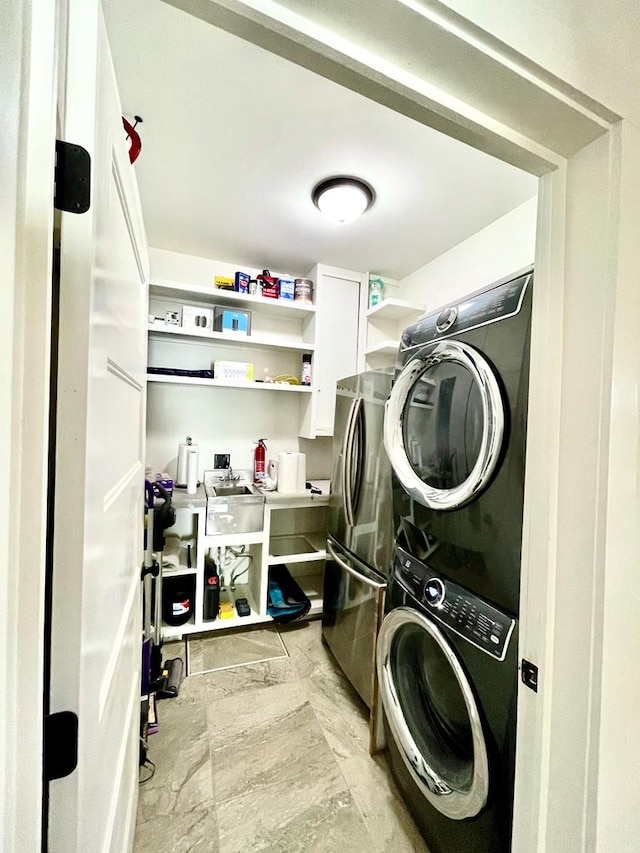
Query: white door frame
{"type": "Point", "coordinates": [28, 82]}
{"type": "Point", "coordinates": [582, 488]}
{"type": "Point", "coordinates": [582, 496]}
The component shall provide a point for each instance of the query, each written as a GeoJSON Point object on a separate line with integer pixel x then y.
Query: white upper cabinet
{"type": "Point", "coordinates": [341, 300]}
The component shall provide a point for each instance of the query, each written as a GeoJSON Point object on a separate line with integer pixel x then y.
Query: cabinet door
{"type": "Point", "coordinates": [340, 303]}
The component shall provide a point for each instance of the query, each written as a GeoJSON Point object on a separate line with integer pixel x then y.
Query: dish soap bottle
{"type": "Point", "coordinates": [259, 472]}
{"type": "Point", "coordinates": [376, 286]}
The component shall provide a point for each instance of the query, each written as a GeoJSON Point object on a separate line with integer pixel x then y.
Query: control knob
{"type": "Point", "coordinates": [446, 319]}
{"type": "Point", "coordinates": [434, 592]}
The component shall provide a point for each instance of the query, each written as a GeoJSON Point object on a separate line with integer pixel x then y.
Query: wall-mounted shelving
{"type": "Point", "coordinates": [385, 324]}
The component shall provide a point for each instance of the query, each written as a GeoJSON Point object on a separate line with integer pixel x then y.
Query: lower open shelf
{"type": "Point", "coordinates": [309, 577]}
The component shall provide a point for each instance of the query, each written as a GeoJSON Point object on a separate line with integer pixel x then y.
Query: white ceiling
{"type": "Point", "coordinates": [235, 138]}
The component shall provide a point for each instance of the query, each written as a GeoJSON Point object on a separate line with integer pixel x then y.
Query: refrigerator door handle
{"type": "Point", "coordinates": [347, 462]}
{"type": "Point", "coordinates": [353, 572]}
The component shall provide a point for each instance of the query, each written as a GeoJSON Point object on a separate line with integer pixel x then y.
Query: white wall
{"type": "Point", "coordinates": [503, 247]}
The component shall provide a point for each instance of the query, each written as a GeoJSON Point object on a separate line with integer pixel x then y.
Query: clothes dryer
{"type": "Point", "coordinates": [455, 434]}
{"type": "Point", "coordinates": [448, 678]}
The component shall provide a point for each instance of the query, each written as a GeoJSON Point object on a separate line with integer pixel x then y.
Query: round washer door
{"type": "Point", "coordinates": [444, 425]}
{"type": "Point", "coordinates": [432, 713]}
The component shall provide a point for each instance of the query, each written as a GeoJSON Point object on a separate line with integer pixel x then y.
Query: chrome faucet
{"type": "Point", "coordinates": [230, 477]}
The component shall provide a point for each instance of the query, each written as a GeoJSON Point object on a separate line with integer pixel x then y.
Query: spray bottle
{"type": "Point", "coordinates": [259, 471]}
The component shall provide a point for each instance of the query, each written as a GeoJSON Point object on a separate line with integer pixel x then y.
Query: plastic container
{"type": "Point", "coordinates": [211, 590]}
{"type": "Point", "coordinates": [305, 377]}
{"type": "Point", "coordinates": [177, 600]}
{"type": "Point", "coordinates": [376, 288]}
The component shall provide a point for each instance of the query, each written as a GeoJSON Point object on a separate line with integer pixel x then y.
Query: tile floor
{"type": "Point", "coordinates": [268, 756]}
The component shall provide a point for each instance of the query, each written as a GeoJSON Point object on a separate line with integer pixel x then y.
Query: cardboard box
{"type": "Point", "coordinates": [197, 318]}
{"type": "Point", "coordinates": [242, 282]}
{"type": "Point", "coordinates": [233, 370]}
{"type": "Point", "coordinates": [224, 283]}
{"type": "Point", "coordinates": [286, 287]}
{"type": "Point", "coordinates": [232, 321]}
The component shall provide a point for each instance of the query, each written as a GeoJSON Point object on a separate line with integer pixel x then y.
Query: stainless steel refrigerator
{"type": "Point", "coordinates": [360, 529]}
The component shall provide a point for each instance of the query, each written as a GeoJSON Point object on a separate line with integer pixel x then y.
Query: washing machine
{"type": "Point", "coordinates": [455, 433]}
{"type": "Point", "coordinates": [448, 677]}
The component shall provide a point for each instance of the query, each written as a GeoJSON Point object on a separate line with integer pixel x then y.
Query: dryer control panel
{"type": "Point", "coordinates": [499, 302]}
{"type": "Point", "coordinates": [461, 611]}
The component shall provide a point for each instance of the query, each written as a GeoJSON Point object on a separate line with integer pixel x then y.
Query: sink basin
{"type": "Point", "coordinates": [233, 508]}
{"type": "Point", "coordinates": [233, 489]}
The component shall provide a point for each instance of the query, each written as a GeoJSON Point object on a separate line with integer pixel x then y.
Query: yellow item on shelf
{"type": "Point", "coordinates": [224, 283]}
{"type": "Point", "coordinates": [286, 379]}
{"type": "Point", "coordinates": [226, 610]}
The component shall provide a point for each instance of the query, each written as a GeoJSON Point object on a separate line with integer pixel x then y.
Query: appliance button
{"type": "Point", "coordinates": [494, 639]}
{"type": "Point", "coordinates": [434, 592]}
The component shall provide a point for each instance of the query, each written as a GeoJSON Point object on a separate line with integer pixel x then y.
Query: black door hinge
{"type": "Point", "coordinates": [72, 178]}
{"type": "Point", "coordinates": [529, 674]}
{"type": "Point", "coordinates": [60, 745]}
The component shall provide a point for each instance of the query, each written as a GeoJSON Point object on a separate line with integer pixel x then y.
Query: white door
{"type": "Point", "coordinates": [97, 533]}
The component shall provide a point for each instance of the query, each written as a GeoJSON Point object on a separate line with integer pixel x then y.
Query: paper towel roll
{"type": "Point", "coordinates": [181, 467]}
{"type": "Point", "coordinates": [192, 470]}
{"type": "Point", "coordinates": [292, 472]}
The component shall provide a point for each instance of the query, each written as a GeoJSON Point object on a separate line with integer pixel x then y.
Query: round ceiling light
{"type": "Point", "coordinates": [342, 199]}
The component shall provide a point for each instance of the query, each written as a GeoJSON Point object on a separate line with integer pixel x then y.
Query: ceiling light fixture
{"type": "Point", "coordinates": [342, 199]}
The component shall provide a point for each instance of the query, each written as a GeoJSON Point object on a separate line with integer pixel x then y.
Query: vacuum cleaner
{"type": "Point", "coordinates": [164, 679]}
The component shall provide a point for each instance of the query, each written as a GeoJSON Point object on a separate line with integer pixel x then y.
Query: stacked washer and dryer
{"type": "Point", "coordinates": [447, 655]}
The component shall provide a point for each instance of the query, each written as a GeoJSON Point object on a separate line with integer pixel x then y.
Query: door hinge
{"type": "Point", "coordinates": [529, 674]}
{"type": "Point", "coordinates": [72, 178]}
{"type": "Point", "coordinates": [60, 745]}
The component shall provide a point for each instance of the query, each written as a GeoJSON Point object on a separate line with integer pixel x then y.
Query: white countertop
{"type": "Point", "coordinates": [181, 500]}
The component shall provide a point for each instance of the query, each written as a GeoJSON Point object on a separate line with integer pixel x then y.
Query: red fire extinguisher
{"type": "Point", "coordinates": [259, 462]}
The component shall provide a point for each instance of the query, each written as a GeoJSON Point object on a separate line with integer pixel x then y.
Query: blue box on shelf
{"type": "Point", "coordinates": [230, 320]}
{"type": "Point", "coordinates": [241, 282]}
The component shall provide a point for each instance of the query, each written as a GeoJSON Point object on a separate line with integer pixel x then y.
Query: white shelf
{"type": "Point", "coordinates": [167, 379]}
{"type": "Point", "coordinates": [197, 626]}
{"type": "Point", "coordinates": [383, 348]}
{"type": "Point", "coordinates": [172, 632]}
{"type": "Point", "coordinates": [221, 540]}
{"type": "Point", "coordinates": [226, 338]}
{"type": "Point", "coordinates": [313, 586]}
{"type": "Point", "coordinates": [171, 572]}
{"type": "Point", "coordinates": [190, 292]}
{"type": "Point", "coordinates": [304, 548]}
{"type": "Point", "coordinates": [394, 309]}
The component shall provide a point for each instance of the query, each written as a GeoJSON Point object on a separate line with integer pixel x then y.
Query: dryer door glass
{"type": "Point", "coordinates": [444, 425]}
{"type": "Point", "coordinates": [432, 713]}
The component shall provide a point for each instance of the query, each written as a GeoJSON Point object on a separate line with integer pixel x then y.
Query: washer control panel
{"type": "Point", "coordinates": [466, 614]}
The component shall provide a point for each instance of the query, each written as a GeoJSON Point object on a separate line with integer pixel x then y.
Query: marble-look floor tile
{"type": "Point", "coordinates": [388, 822]}
{"type": "Point", "coordinates": [341, 713]}
{"type": "Point", "coordinates": [213, 651]}
{"type": "Point", "coordinates": [213, 686]}
{"type": "Point", "coordinates": [180, 751]}
{"type": "Point", "coordinates": [287, 819]}
{"type": "Point", "coordinates": [304, 644]}
{"type": "Point", "coordinates": [189, 832]}
{"type": "Point", "coordinates": [268, 737]}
